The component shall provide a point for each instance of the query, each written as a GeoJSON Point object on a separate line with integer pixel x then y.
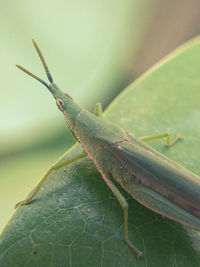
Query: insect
{"type": "Point", "coordinates": [148, 176]}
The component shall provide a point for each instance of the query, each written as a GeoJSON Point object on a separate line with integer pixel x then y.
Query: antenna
{"type": "Point", "coordinates": [44, 65]}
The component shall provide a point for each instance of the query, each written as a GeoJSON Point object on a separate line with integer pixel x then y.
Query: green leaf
{"type": "Point", "coordinates": [76, 221]}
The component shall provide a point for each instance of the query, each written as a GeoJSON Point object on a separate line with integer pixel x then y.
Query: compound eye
{"type": "Point", "coordinates": [60, 104]}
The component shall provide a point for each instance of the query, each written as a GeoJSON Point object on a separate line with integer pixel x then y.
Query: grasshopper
{"type": "Point", "coordinates": [152, 179]}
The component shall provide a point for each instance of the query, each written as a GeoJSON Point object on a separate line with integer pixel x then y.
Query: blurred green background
{"type": "Point", "coordinates": [93, 49]}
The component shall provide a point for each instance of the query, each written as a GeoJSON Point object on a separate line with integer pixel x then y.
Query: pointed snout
{"type": "Point", "coordinates": [56, 92]}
